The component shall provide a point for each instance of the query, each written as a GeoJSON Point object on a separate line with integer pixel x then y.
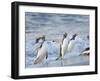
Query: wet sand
{"type": "Point", "coordinates": [71, 61]}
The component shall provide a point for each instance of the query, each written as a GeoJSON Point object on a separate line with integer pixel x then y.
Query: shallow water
{"type": "Point", "coordinates": [71, 61]}
{"type": "Point", "coordinates": [53, 26]}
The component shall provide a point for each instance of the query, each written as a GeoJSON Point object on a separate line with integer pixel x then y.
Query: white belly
{"type": "Point", "coordinates": [71, 45]}
{"type": "Point", "coordinates": [86, 52]}
{"type": "Point", "coordinates": [41, 55]}
{"type": "Point", "coordinates": [64, 47]}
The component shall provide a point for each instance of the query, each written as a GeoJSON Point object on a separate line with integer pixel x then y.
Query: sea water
{"type": "Point", "coordinates": [53, 26]}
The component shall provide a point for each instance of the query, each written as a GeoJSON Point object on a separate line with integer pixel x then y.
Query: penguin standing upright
{"type": "Point", "coordinates": [67, 45]}
{"type": "Point", "coordinates": [71, 43]}
{"type": "Point", "coordinates": [63, 46]}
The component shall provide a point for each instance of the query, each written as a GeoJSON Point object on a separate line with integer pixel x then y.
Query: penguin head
{"type": "Point", "coordinates": [53, 41]}
{"type": "Point", "coordinates": [73, 37]}
{"type": "Point", "coordinates": [65, 35]}
{"type": "Point", "coordinates": [40, 38]}
{"type": "Point", "coordinates": [43, 37]}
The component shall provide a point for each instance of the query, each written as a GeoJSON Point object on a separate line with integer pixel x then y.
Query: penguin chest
{"type": "Point", "coordinates": [42, 53]}
{"type": "Point", "coordinates": [71, 45]}
{"type": "Point", "coordinates": [64, 46]}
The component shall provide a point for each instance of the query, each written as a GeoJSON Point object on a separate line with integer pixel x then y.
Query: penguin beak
{"type": "Point", "coordinates": [75, 35]}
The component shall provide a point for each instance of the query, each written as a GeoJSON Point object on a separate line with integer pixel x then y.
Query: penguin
{"type": "Point", "coordinates": [71, 43]}
{"type": "Point", "coordinates": [42, 53]}
{"type": "Point", "coordinates": [63, 46]}
{"type": "Point", "coordinates": [86, 51]}
{"type": "Point", "coordinates": [67, 45]}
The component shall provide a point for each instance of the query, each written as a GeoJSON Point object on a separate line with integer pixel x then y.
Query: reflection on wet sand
{"type": "Point", "coordinates": [71, 61]}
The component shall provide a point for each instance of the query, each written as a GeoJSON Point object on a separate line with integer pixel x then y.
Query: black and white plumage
{"type": "Point", "coordinates": [42, 53]}
{"type": "Point", "coordinates": [86, 51]}
{"type": "Point", "coordinates": [71, 43]}
{"type": "Point", "coordinates": [63, 47]}
{"type": "Point", "coordinates": [67, 45]}
{"type": "Point", "coordinates": [40, 38]}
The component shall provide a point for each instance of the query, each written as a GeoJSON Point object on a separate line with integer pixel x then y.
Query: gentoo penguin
{"type": "Point", "coordinates": [63, 46]}
{"type": "Point", "coordinates": [71, 43]}
{"type": "Point", "coordinates": [67, 45]}
{"type": "Point", "coordinates": [86, 51]}
{"type": "Point", "coordinates": [42, 53]}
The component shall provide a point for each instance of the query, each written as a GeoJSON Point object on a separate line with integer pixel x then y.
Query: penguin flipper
{"type": "Point", "coordinates": [38, 58]}
{"type": "Point", "coordinates": [37, 61]}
